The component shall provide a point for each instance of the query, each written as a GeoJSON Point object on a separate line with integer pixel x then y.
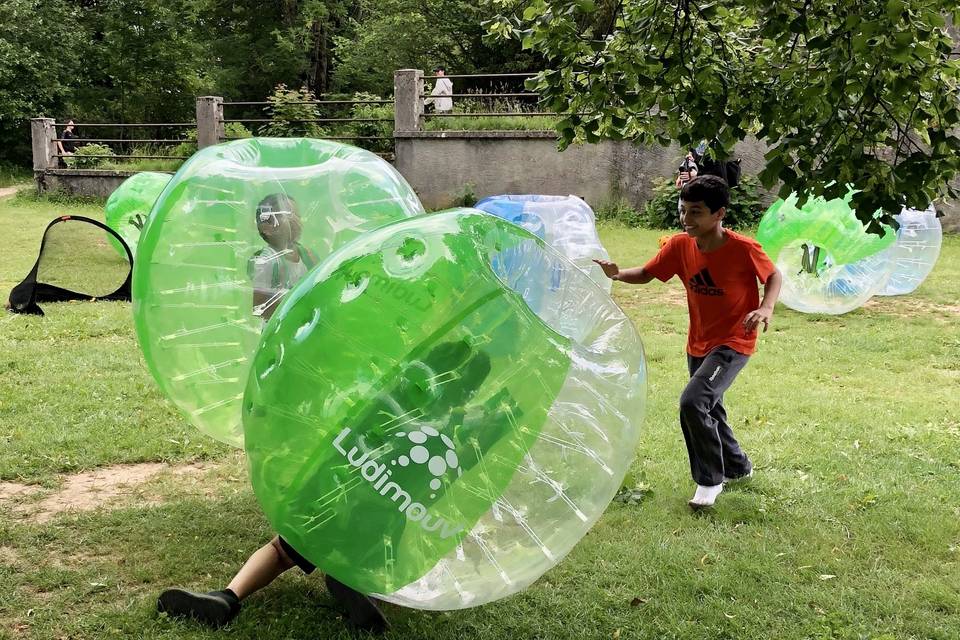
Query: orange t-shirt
{"type": "Point", "coordinates": [721, 288]}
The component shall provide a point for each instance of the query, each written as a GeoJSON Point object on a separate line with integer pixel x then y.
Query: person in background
{"type": "Point", "coordinates": [65, 145]}
{"type": "Point", "coordinates": [688, 171]}
{"type": "Point", "coordinates": [440, 96]}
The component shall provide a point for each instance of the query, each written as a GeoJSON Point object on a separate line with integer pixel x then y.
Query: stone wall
{"type": "Point", "coordinates": [440, 164]}
{"type": "Point", "coordinates": [81, 182]}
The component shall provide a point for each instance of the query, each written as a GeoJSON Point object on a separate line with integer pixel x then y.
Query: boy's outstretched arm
{"type": "Point", "coordinates": [636, 275]}
{"type": "Point", "coordinates": [771, 291]}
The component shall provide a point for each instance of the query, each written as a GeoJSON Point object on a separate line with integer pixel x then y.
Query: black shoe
{"type": "Point", "coordinates": [362, 611]}
{"type": "Point", "coordinates": [213, 609]}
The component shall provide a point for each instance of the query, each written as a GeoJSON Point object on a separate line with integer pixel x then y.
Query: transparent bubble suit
{"type": "Point", "coordinates": [916, 251]}
{"type": "Point", "coordinates": [237, 227]}
{"type": "Point", "coordinates": [129, 206]}
{"type": "Point", "coordinates": [830, 263]}
{"type": "Point", "coordinates": [417, 430]}
{"type": "Point", "coordinates": [566, 223]}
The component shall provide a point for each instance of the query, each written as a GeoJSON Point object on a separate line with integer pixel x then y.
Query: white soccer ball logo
{"type": "Point", "coordinates": [419, 454]}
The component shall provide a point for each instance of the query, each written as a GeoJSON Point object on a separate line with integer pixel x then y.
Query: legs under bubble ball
{"type": "Point", "coordinates": [237, 227]}
{"type": "Point", "coordinates": [415, 429]}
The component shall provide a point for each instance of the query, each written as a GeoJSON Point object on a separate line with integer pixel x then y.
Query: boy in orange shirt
{"type": "Point", "coordinates": [720, 270]}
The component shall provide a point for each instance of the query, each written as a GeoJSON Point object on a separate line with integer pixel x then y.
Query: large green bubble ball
{"type": "Point", "coordinates": [830, 263]}
{"type": "Point", "coordinates": [239, 225]}
{"type": "Point", "coordinates": [417, 430]}
{"type": "Point", "coordinates": [129, 205]}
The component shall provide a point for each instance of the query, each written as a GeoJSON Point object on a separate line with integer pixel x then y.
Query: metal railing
{"type": "Point", "coordinates": [489, 95]}
{"type": "Point", "coordinates": [329, 112]}
{"type": "Point", "coordinates": [161, 151]}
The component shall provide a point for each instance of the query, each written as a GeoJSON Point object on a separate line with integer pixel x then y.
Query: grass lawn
{"type": "Point", "coordinates": [850, 529]}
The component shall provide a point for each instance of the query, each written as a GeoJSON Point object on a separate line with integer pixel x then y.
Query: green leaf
{"type": "Point", "coordinates": [895, 8]}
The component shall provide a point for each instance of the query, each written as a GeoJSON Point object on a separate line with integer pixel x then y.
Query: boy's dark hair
{"type": "Point", "coordinates": [710, 190]}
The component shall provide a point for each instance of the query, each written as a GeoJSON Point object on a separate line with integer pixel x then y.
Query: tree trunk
{"type": "Point", "coordinates": [319, 59]}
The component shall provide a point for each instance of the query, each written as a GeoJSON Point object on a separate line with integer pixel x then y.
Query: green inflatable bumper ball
{"type": "Point", "coordinates": [237, 227]}
{"type": "Point", "coordinates": [415, 429]}
{"type": "Point", "coordinates": [128, 207]}
{"type": "Point", "coordinates": [830, 263]}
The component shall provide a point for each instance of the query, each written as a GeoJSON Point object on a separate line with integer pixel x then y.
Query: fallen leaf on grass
{"type": "Point", "coordinates": [827, 576]}
{"type": "Point", "coordinates": [636, 602]}
{"type": "Point", "coordinates": [616, 635]}
{"type": "Point", "coordinates": [633, 495]}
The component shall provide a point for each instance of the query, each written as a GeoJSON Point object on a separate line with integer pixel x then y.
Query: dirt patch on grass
{"type": "Point", "coordinates": [9, 556]}
{"type": "Point", "coordinates": [10, 491]}
{"type": "Point", "coordinates": [909, 307]}
{"type": "Point", "coordinates": [670, 296]}
{"type": "Point", "coordinates": [92, 489]}
{"type": "Point", "coordinates": [8, 191]}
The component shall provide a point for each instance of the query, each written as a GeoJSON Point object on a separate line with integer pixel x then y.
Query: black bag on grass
{"type": "Point", "coordinates": [80, 259]}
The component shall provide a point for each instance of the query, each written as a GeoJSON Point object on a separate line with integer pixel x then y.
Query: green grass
{"type": "Point", "coordinates": [142, 164]}
{"type": "Point", "coordinates": [850, 530]}
{"type": "Point", "coordinates": [11, 174]}
{"type": "Point", "coordinates": [467, 122]}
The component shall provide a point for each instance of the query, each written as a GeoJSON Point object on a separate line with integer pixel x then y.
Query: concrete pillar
{"type": "Point", "coordinates": [407, 99]}
{"type": "Point", "coordinates": [44, 148]}
{"type": "Point", "coordinates": [209, 121]}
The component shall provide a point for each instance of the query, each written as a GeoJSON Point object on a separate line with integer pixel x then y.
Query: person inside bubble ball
{"type": "Point", "coordinates": [276, 269]}
{"type": "Point", "coordinates": [467, 368]}
{"type": "Point", "coordinates": [720, 270]}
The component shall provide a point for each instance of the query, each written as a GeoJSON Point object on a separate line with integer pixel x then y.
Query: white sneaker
{"type": "Point", "coordinates": [705, 496]}
{"type": "Point", "coordinates": [745, 476]}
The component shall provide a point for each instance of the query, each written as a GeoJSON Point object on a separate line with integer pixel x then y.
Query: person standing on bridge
{"type": "Point", "coordinates": [440, 96]}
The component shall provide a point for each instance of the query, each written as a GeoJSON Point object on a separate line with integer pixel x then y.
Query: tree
{"type": "Point", "coordinates": [402, 34]}
{"type": "Point", "coordinates": [38, 63]}
{"type": "Point", "coordinates": [256, 45]}
{"type": "Point", "coordinates": [145, 61]}
{"type": "Point", "coordinates": [860, 93]}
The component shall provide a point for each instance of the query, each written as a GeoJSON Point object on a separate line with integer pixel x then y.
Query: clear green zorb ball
{"type": "Point", "coordinates": [128, 207]}
{"type": "Point", "coordinates": [416, 430]}
{"type": "Point", "coordinates": [237, 227]}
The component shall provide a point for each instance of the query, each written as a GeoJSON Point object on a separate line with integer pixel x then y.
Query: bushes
{"type": "Point", "coordinates": [660, 212]}
{"type": "Point", "coordinates": [11, 174]}
{"type": "Point", "coordinates": [287, 113]}
{"type": "Point", "coordinates": [619, 211]}
{"type": "Point", "coordinates": [81, 159]}
{"type": "Point", "coordinates": [745, 210]}
{"type": "Point", "coordinates": [371, 129]}
{"type": "Point", "coordinates": [189, 146]}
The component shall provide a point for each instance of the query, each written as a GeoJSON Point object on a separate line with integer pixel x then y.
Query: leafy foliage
{"type": "Point", "coordinates": [860, 93]}
{"type": "Point", "coordinates": [372, 129]}
{"type": "Point", "coordinates": [745, 209]}
{"type": "Point", "coordinates": [619, 211]}
{"type": "Point", "coordinates": [386, 35]}
{"type": "Point", "coordinates": [86, 157]}
{"type": "Point", "coordinates": [38, 62]}
{"type": "Point", "coordinates": [288, 114]}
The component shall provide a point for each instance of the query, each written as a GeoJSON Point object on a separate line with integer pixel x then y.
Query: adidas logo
{"type": "Point", "coordinates": [703, 284]}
